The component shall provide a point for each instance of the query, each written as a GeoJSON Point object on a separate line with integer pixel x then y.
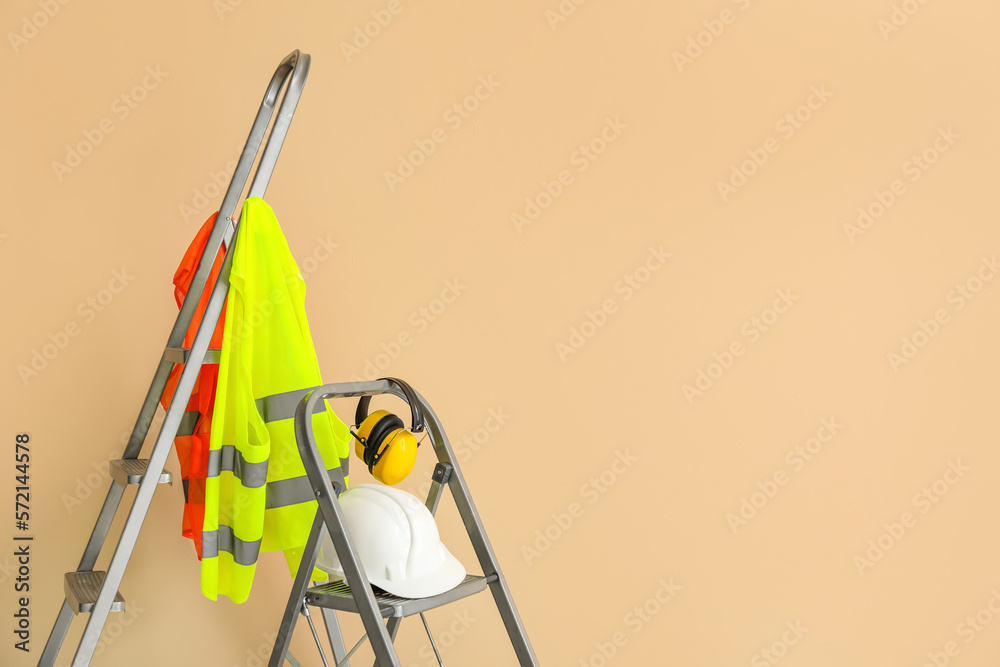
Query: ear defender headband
{"type": "Point", "coordinates": [416, 414]}
{"type": "Point", "coordinates": [384, 444]}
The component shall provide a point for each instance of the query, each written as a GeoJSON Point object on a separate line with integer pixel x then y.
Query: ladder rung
{"type": "Point", "coordinates": [82, 589]}
{"type": "Point", "coordinates": [130, 471]}
{"type": "Point", "coordinates": [179, 355]}
{"type": "Point", "coordinates": [337, 595]}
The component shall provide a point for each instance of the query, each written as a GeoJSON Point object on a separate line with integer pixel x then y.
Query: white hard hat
{"type": "Point", "coordinates": [397, 543]}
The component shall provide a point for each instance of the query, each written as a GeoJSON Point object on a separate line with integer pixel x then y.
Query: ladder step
{"type": "Point", "coordinates": [179, 355]}
{"type": "Point", "coordinates": [130, 471]}
{"type": "Point", "coordinates": [337, 595]}
{"type": "Point", "coordinates": [82, 589]}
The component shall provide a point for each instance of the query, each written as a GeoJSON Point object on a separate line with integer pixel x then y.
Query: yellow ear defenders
{"type": "Point", "coordinates": [386, 447]}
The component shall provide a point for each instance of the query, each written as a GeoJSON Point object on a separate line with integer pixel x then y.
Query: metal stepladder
{"type": "Point", "coordinates": [96, 592]}
{"type": "Point", "coordinates": [355, 594]}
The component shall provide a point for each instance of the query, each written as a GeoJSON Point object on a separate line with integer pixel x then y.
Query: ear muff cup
{"type": "Point", "coordinates": [390, 451]}
{"type": "Point", "coordinates": [383, 442]}
{"type": "Point", "coordinates": [379, 436]}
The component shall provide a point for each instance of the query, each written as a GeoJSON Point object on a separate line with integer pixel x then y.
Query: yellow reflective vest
{"type": "Point", "coordinates": [257, 498]}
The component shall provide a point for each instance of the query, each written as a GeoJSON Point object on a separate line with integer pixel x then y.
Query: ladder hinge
{"type": "Point", "coordinates": [442, 472]}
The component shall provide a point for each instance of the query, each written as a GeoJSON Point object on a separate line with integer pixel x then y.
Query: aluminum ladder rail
{"type": "Point", "coordinates": [97, 592]}
{"type": "Point", "coordinates": [356, 595]}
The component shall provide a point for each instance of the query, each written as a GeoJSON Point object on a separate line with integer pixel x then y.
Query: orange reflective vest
{"type": "Point", "coordinates": [193, 439]}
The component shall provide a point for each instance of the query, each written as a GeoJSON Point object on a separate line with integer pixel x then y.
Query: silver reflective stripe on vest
{"type": "Point", "coordinates": [188, 423]}
{"type": "Point", "coordinates": [294, 490]}
{"type": "Point", "coordinates": [279, 493]}
{"type": "Point", "coordinates": [223, 539]}
{"type": "Point", "coordinates": [282, 406]}
{"type": "Point", "coordinates": [251, 475]}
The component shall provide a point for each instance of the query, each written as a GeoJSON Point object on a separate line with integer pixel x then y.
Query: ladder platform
{"type": "Point", "coordinates": [179, 355]}
{"type": "Point", "coordinates": [130, 471]}
{"type": "Point", "coordinates": [82, 589]}
{"type": "Point", "coordinates": [337, 595]}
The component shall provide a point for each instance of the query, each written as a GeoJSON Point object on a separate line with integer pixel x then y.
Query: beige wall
{"type": "Point", "coordinates": [826, 365]}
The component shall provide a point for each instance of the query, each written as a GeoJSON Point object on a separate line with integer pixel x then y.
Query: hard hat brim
{"type": "Point", "coordinates": [444, 578]}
